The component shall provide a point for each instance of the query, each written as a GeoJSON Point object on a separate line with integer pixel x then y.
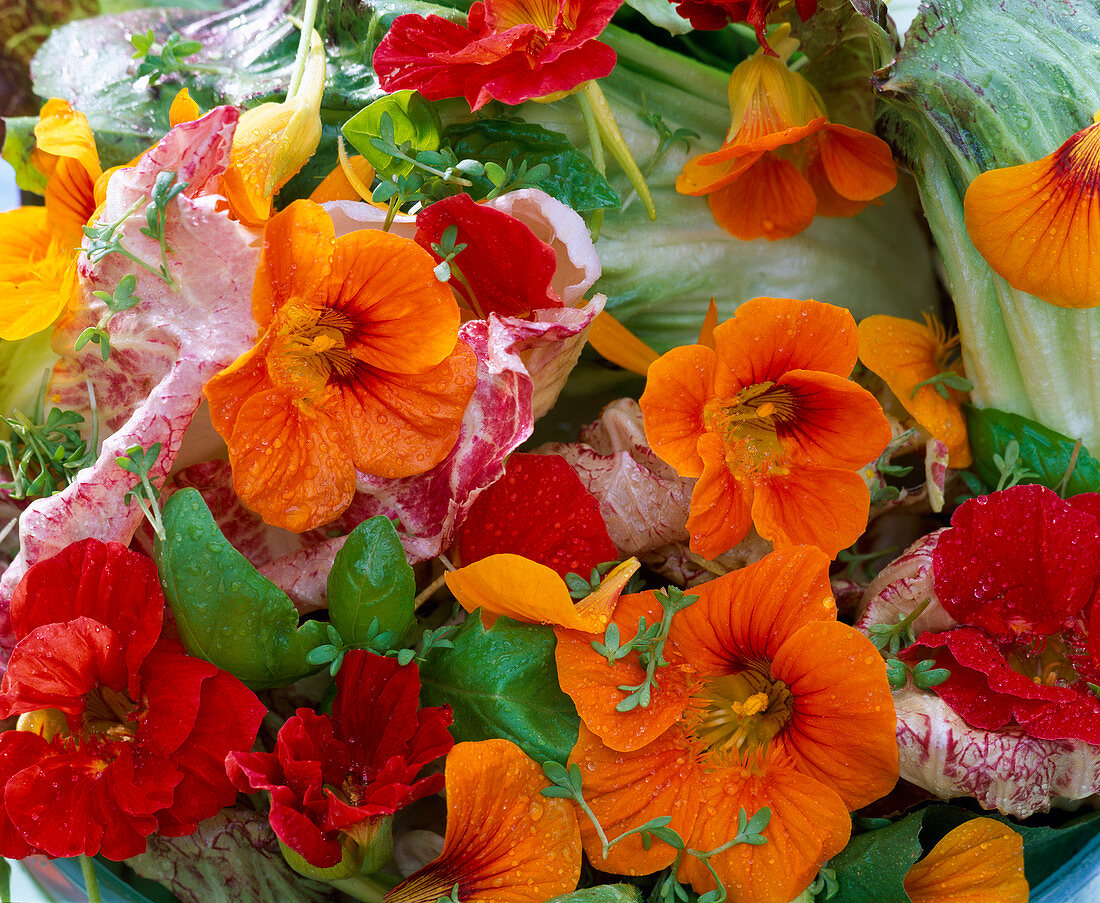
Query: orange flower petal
{"type": "Point", "coordinates": [627, 789]}
{"type": "Point", "coordinates": [814, 506]}
{"type": "Point", "coordinates": [858, 165]}
{"type": "Point", "coordinates": [755, 610]}
{"type": "Point", "coordinates": [296, 259]}
{"type": "Point", "coordinates": [593, 684]}
{"type": "Point", "coordinates": [850, 747]}
{"type": "Point", "coordinates": [720, 514]}
{"type": "Point", "coordinates": [1038, 225]}
{"type": "Point", "coordinates": [336, 186]}
{"type": "Point", "coordinates": [981, 861]}
{"type": "Point", "coordinates": [809, 823]}
{"type": "Point", "coordinates": [829, 201]}
{"type": "Point", "coordinates": [769, 336]}
{"type": "Point", "coordinates": [406, 319]}
{"type": "Point", "coordinates": [527, 591]}
{"type": "Point", "coordinates": [710, 321]}
{"type": "Point", "coordinates": [903, 352]}
{"type": "Point", "coordinates": [70, 201]}
{"type": "Point", "coordinates": [403, 424]}
{"type": "Point", "coordinates": [837, 424]}
{"type": "Point", "coordinates": [616, 343]}
{"type": "Point", "coordinates": [24, 238]}
{"type": "Point", "coordinates": [38, 296]}
{"type": "Point", "coordinates": [678, 385]}
{"type": "Point", "coordinates": [290, 462]}
{"type": "Point", "coordinates": [232, 387]}
{"type": "Point", "coordinates": [64, 132]}
{"type": "Point", "coordinates": [769, 200]}
{"type": "Point", "coordinates": [183, 109]}
{"type": "Point", "coordinates": [712, 172]}
{"type": "Point", "coordinates": [505, 842]}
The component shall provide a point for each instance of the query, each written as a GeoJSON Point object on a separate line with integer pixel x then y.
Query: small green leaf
{"type": "Point", "coordinates": [371, 578]}
{"type": "Point", "coordinates": [410, 118]}
{"type": "Point", "coordinates": [604, 893]}
{"type": "Point", "coordinates": [872, 868]}
{"type": "Point", "coordinates": [1038, 449]}
{"type": "Point", "coordinates": [226, 612]}
{"type": "Point", "coordinates": [503, 682]}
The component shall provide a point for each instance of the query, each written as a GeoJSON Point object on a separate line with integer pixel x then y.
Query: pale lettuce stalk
{"type": "Point", "coordinates": [980, 86]}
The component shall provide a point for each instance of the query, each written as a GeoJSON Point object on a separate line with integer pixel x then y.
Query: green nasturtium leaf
{"type": "Point", "coordinates": [573, 178]}
{"type": "Point", "coordinates": [370, 578]}
{"type": "Point", "coordinates": [18, 144]}
{"type": "Point", "coordinates": [503, 682]}
{"type": "Point", "coordinates": [226, 611]}
{"type": "Point", "coordinates": [1047, 849]}
{"type": "Point", "coordinates": [1041, 450]}
{"type": "Point", "coordinates": [872, 868]}
{"type": "Point", "coordinates": [414, 120]}
{"type": "Point", "coordinates": [604, 893]}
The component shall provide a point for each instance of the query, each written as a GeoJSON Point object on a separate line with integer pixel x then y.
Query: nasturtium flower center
{"type": "Point", "coordinates": [737, 715]}
{"type": "Point", "coordinates": [749, 422]}
{"type": "Point", "coordinates": [1079, 158]}
{"type": "Point", "coordinates": [109, 715]}
{"type": "Point", "coordinates": [541, 13]}
{"type": "Point", "coordinates": [1047, 662]}
{"type": "Point", "coordinates": [310, 347]}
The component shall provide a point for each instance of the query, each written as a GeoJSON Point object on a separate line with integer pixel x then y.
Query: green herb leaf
{"type": "Point", "coordinates": [572, 178]}
{"type": "Point", "coordinates": [604, 893]}
{"type": "Point", "coordinates": [1040, 450]}
{"type": "Point", "coordinates": [226, 611]}
{"type": "Point", "coordinates": [503, 682]}
{"type": "Point", "coordinates": [370, 578]}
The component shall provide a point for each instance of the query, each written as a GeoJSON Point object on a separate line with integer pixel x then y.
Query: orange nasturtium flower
{"type": "Point", "coordinates": [766, 701]}
{"type": "Point", "coordinates": [980, 861]}
{"type": "Point", "coordinates": [771, 425]}
{"type": "Point", "coordinates": [783, 161]}
{"type": "Point", "coordinates": [358, 367]}
{"type": "Point", "coordinates": [505, 842]}
{"type": "Point", "coordinates": [907, 354]}
{"type": "Point", "coordinates": [1034, 223]}
{"type": "Point", "coordinates": [39, 245]}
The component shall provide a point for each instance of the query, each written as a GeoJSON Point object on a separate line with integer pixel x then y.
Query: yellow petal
{"type": "Point", "coordinates": [981, 861]}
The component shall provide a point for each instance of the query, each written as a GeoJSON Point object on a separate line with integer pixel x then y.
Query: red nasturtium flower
{"type": "Point", "coordinates": [771, 425]}
{"type": "Point", "coordinates": [121, 733]}
{"type": "Point", "coordinates": [783, 162]}
{"type": "Point", "coordinates": [505, 269]}
{"type": "Point", "coordinates": [1034, 223]}
{"type": "Point", "coordinates": [710, 15]}
{"type": "Point", "coordinates": [358, 367]}
{"type": "Point", "coordinates": [509, 50]}
{"type": "Point", "coordinates": [766, 701]}
{"type": "Point", "coordinates": [505, 841]}
{"type": "Point", "coordinates": [1020, 570]}
{"type": "Point", "coordinates": [334, 779]}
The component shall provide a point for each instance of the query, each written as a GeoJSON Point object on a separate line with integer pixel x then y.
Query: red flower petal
{"type": "Point", "coordinates": [1019, 561]}
{"type": "Point", "coordinates": [18, 750]}
{"type": "Point", "coordinates": [507, 267]}
{"type": "Point", "coordinates": [539, 509]}
{"type": "Point", "coordinates": [988, 694]}
{"type": "Point", "coordinates": [102, 581]}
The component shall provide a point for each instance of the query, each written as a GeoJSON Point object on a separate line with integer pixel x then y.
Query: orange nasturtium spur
{"type": "Point", "coordinates": [766, 701]}
{"type": "Point", "coordinates": [1034, 223]}
{"type": "Point", "coordinates": [783, 162]}
{"type": "Point", "coordinates": [771, 425]}
{"type": "Point", "coordinates": [358, 368]}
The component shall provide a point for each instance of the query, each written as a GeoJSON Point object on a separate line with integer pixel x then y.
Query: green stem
{"type": "Point", "coordinates": [303, 48]}
{"type": "Point", "coordinates": [391, 213]}
{"type": "Point", "coordinates": [595, 144]}
{"type": "Point", "coordinates": [616, 143]}
{"type": "Point", "coordinates": [91, 882]}
{"type": "Point", "coordinates": [361, 888]}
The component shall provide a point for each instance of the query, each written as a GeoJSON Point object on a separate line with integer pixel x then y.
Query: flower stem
{"type": "Point", "coordinates": [360, 887]}
{"type": "Point", "coordinates": [91, 882]}
{"type": "Point", "coordinates": [303, 48]}
{"type": "Point", "coordinates": [616, 143]}
{"type": "Point", "coordinates": [595, 144]}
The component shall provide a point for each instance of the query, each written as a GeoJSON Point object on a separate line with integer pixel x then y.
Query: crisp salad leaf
{"type": "Point", "coordinates": [872, 868]}
{"type": "Point", "coordinates": [503, 682]}
{"type": "Point", "coordinates": [370, 578]}
{"type": "Point", "coordinates": [225, 611]}
{"type": "Point", "coordinates": [603, 893]}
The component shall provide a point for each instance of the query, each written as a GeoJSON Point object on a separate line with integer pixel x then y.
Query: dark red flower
{"type": "Point", "coordinates": [710, 15]}
{"type": "Point", "coordinates": [509, 50]}
{"type": "Point", "coordinates": [504, 269]}
{"type": "Point", "coordinates": [540, 510]}
{"type": "Point", "coordinates": [1020, 569]}
{"type": "Point", "coordinates": [338, 775]}
{"type": "Point", "coordinates": [121, 733]}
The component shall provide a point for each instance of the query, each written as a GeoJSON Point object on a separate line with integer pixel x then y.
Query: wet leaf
{"type": "Point", "coordinates": [503, 682]}
{"type": "Point", "coordinates": [226, 612]}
